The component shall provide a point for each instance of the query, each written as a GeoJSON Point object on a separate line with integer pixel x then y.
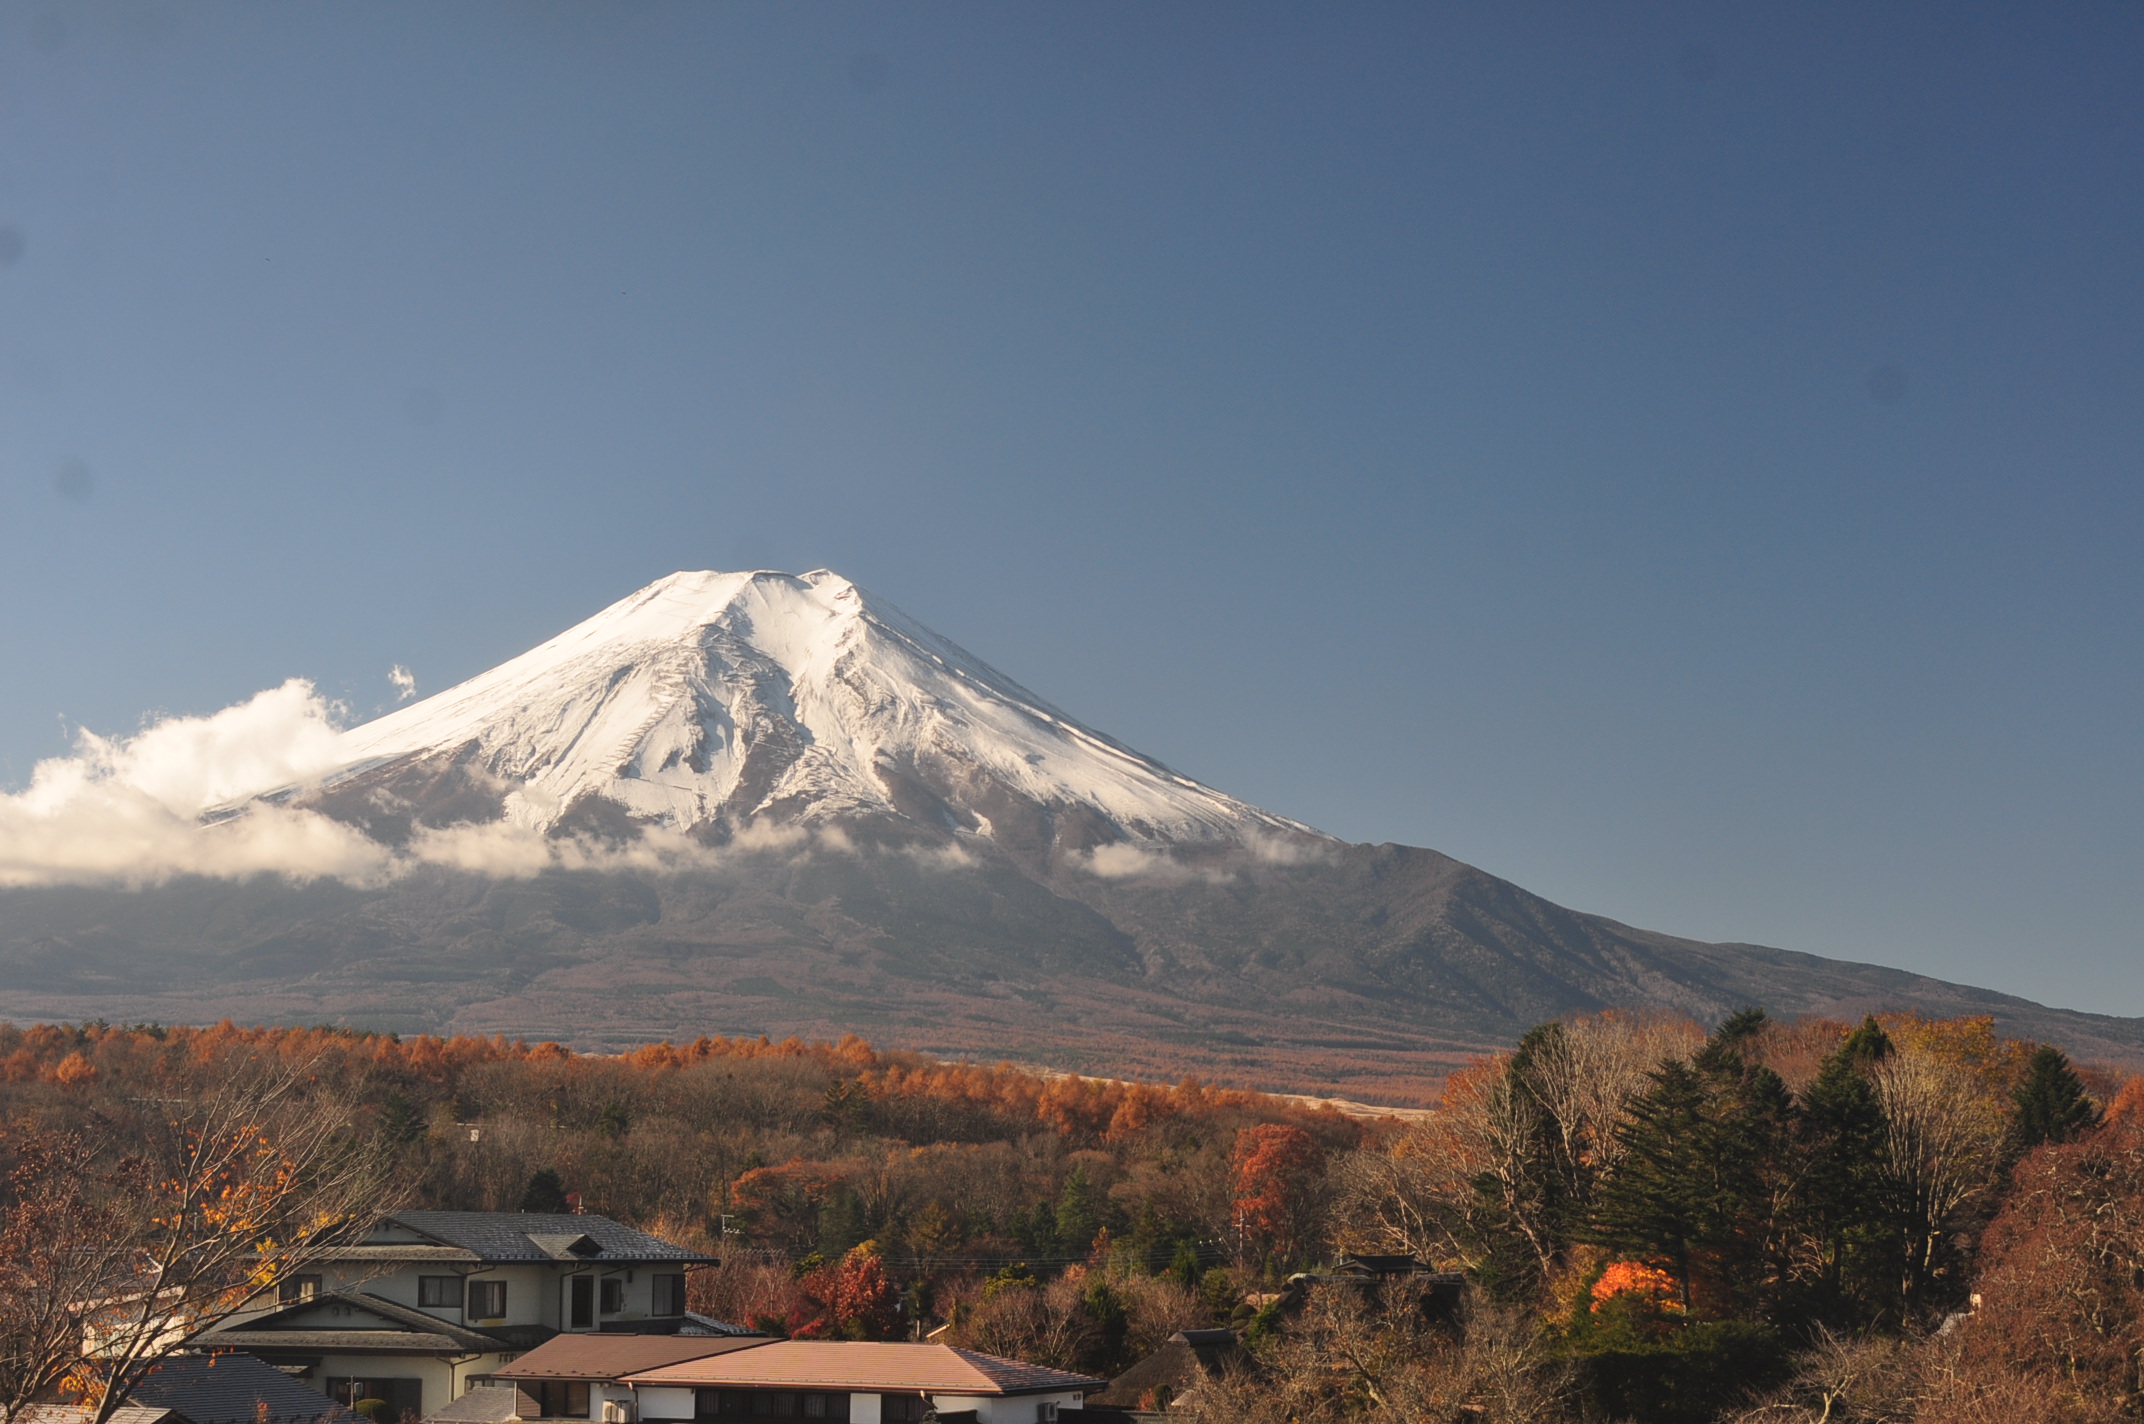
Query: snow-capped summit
{"type": "Point", "coordinates": [717, 699]}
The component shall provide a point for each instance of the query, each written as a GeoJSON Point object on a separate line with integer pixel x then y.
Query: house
{"type": "Point", "coordinates": [1172, 1373]}
{"type": "Point", "coordinates": [207, 1389]}
{"type": "Point", "coordinates": [1436, 1293]}
{"type": "Point", "coordinates": [643, 1381]}
{"type": "Point", "coordinates": [429, 1303]}
{"type": "Point", "coordinates": [1382, 1267]}
{"type": "Point", "coordinates": [575, 1376]}
{"type": "Point", "coordinates": [845, 1382]}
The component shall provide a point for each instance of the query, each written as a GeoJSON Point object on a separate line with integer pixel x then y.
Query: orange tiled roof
{"type": "Point", "coordinates": [850, 1365]}
{"type": "Point", "coordinates": [607, 1357]}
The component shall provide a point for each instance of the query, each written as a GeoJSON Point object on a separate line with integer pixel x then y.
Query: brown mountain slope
{"type": "Point", "coordinates": [1367, 971]}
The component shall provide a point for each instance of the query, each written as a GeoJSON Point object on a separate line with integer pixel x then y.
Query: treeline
{"type": "Point", "coordinates": [1786, 1221]}
{"type": "Point", "coordinates": [1901, 1219]}
{"type": "Point", "coordinates": [784, 1150]}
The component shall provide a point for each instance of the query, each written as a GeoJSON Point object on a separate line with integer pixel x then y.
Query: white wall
{"type": "Point", "coordinates": [657, 1403]}
{"type": "Point", "coordinates": [863, 1409]}
{"type": "Point", "coordinates": [1011, 1409]}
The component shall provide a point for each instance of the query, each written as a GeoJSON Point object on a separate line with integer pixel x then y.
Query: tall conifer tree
{"type": "Point", "coordinates": [2051, 1102]}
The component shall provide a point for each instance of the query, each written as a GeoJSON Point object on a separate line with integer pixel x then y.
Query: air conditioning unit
{"type": "Point", "coordinates": [617, 1411]}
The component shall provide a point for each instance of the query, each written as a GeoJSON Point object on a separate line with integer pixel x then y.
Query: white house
{"type": "Point", "coordinates": [429, 1303]}
{"type": "Point", "coordinates": [764, 1381]}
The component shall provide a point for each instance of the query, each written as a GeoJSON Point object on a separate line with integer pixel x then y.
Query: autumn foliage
{"type": "Point", "coordinates": [1276, 1168]}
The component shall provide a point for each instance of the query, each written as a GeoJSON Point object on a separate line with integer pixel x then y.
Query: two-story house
{"type": "Point", "coordinates": [428, 1303]}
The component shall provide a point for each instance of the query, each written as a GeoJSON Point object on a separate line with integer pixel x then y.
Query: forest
{"type": "Point", "coordinates": [1901, 1219]}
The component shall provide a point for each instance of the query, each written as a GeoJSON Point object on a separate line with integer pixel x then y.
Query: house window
{"type": "Point", "coordinates": [902, 1408]}
{"type": "Point", "coordinates": [613, 1297]}
{"type": "Point", "coordinates": [441, 1292]}
{"type": "Point", "coordinates": [564, 1399]}
{"type": "Point", "coordinates": [487, 1300]}
{"type": "Point", "coordinates": [294, 1290]}
{"type": "Point", "coordinates": [582, 1311]}
{"type": "Point", "coordinates": [669, 1295]}
{"type": "Point", "coordinates": [770, 1404]}
{"type": "Point", "coordinates": [404, 1397]}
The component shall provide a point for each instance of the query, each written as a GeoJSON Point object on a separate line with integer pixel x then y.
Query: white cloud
{"type": "Point", "coordinates": [1290, 850]}
{"type": "Point", "coordinates": [176, 799]}
{"type": "Point", "coordinates": [405, 682]}
{"type": "Point", "coordinates": [1121, 861]}
{"type": "Point", "coordinates": [130, 809]}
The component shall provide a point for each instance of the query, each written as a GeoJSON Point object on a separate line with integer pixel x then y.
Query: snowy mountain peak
{"type": "Point", "coordinates": [717, 699]}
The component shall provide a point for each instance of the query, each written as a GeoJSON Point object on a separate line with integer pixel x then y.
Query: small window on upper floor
{"type": "Point", "coordinates": [613, 1297]}
{"type": "Point", "coordinates": [669, 1295]}
{"type": "Point", "coordinates": [487, 1300]}
{"type": "Point", "coordinates": [439, 1292]}
{"type": "Point", "coordinates": [294, 1290]}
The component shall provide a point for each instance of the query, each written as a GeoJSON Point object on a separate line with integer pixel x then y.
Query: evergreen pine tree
{"type": "Point", "coordinates": [400, 1122]}
{"type": "Point", "coordinates": [1079, 1214]}
{"type": "Point", "coordinates": [1707, 1159]}
{"type": "Point", "coordinates": [1867, 1045]}
{"type": "Point", "coordinates": [1036, 1230]}
{"type": "Point", "coordinates": [1840, 1210]}
{"type": "Point", "coordinates": [2051, 1102]}
{"type": "Point", "coordinates": [1655, 1204]}
{"type": "Point", "coordinates": [546, 1193]}
{"type": "Point", "coordinates": [842, 1223]}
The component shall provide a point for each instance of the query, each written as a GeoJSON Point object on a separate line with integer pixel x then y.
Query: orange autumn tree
{"type": "Point", "coordinates": [1276, 1169]}
{"type": "Point", "coordinates": [1639, 1280]}
{"type": "Point", "coordinates": [866, 1303]}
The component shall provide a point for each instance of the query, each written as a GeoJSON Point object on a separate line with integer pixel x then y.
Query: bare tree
{"type": "Point", "coordinates": [62, 1243]}
{"type": "Point", "coordinates": [1042, 1322]}
{"type": "Point", "coordinates": [1350, 1355]}
{"type": "Point", "coordinates": [1868, 1380]}
{"type": "Point", "coordinates": [248, 1183]}
{"type": "Point", "coordinates": [1944, 1128]}
{"type": "Point", "coordinates": [1402, 1198]}
{"type": "Point", "coordinates": [1585, 1076]}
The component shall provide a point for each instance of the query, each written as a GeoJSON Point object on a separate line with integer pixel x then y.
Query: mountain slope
{"type": "Point", "coordinates": [868, 829]}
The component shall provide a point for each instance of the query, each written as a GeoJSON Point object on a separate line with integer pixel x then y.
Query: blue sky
{"type": "Point", "coordinates": [1683, 459]}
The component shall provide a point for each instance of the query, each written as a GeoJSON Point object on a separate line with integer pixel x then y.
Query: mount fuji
{"type": "Point", "coordinates": [770, 803]}
{"type": "Point", "coordinates": [711, 702]}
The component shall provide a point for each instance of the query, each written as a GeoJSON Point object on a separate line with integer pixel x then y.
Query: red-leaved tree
{"type": "Point", "coordinates": [866, 1302]}
{"type": "Point", "coordinates": [1277, 1172]}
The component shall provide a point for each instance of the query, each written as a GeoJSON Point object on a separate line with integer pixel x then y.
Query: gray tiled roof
{"type": "Point", "coordinates": [486, 1404]}
{"type": "Point", "coordinates": [537, 1236]}
{"type": "Point", "coordinates": [230, 1389]}
{"type": "Point", "coordinates": [75, 1414]}
{"type": "Point", "coordinates": [419, 1332]}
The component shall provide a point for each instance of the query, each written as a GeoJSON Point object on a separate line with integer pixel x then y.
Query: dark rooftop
{"type": "Point", "coordinates": [1185, 1360]}
{"type": "Point", "coordinates": [306, 1325]}
{"type": "Point", "coordinates": [534, 1236]}
{"type": "Point", "coordinates": [230, 1389]}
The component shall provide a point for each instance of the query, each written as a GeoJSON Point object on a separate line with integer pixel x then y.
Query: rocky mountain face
{"type": "Point", "coordinates": [770, 804]}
